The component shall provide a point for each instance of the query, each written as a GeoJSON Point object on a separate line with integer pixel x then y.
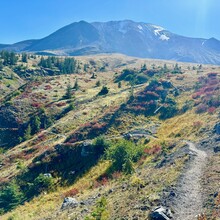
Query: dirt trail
{"type": "Point", "coordinates": [188, 202]}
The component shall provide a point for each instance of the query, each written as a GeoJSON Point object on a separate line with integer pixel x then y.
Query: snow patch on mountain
{"type": "Point", "coordinates": [157, 29]}
{"type": "Point", "coordinates": [164, 37]}
{"type": "Point", "coordinates": [140, 27]}
{"type": "Point", "coordinates": [158, 32]}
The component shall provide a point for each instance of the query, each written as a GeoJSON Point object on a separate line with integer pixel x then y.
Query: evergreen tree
{"type": "Point", "coordinates": [93, 76]}
{"type": "Point", "coordinates": [9, 58]}
{"type": "Point", "coordinates": [119, 84]}
{"type": "Point", "coordinates": [48, 121]}
{"type": "Point", "coordinates": [42, 62]}
{"type": "Point", "coordinates": [71, 106]}
{"type": "Point", "coordinates": [176, 69]}
{"type": "Point", "coordinates": [24, 57]}
{"type": "Point", "coordinates": [85, 67]}
{"type": "Point", "coordinates": [165, 69]}
{"type": "Point", "coordinates": [35, 125]}
{"type": "Point", "coordinates": [1, 65]}
{"type": "Point", "coordinates": [98, 83]}
{"type": "Point", "coordinates": [49, 62]}
{"type": "Point", "coordinates": [27, 133]}
{"type": "Point", "coordinates": [127, 167]}
{"type": "Point", "coordinates": [143, 68]}
{"type": "Point", "coordinates": [13, 58]}
{"type": "Point", "coordinates": [10, 196]}
{"type": "Point", "coordinates": [76, 85]}
{"type": "Point", "coordinates": [68, 94]}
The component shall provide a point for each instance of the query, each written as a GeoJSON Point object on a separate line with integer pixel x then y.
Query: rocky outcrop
{"type": "Point", "coordinates": [160, 213]}
{"type": "Point", "coordinates": [69, 202]}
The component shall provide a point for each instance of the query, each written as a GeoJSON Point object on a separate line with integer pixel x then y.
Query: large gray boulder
{"type": "Point", "coordinates": [160, 213]}
{"type": "Point", "coordinates": [69, 202]}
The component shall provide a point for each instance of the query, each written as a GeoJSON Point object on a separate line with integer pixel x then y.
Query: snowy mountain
{"type": "Point", "coordinates": [127, 37]}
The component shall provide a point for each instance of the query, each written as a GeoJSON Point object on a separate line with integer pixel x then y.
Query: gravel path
{"type": "Point", "coordinates": [188, 202]}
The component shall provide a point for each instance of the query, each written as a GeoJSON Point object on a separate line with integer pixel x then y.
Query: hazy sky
{"type": "Point", "coordinates": [34, 19]}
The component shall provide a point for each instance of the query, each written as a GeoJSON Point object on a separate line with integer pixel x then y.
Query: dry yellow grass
{"type": "Point", "coordinates": [180, 127]}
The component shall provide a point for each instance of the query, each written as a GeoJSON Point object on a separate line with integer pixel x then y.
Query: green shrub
{"type": "Point", "coordinates": [168, 111]}
{"type": "Point", "coordinates": [103, 91]}
{"type": "Point", "coordinates": [10, 197]}
{"type": "Point", "coordinates": [100, 212]}
{"type": "Point", "coordinates": [141, 78]}
{"type": "Point", "coordinates": [43, 182]}
{"type": "Point", "coordinates": [123, 154]}
{"type": "Point", "coordinates": [100, 145]}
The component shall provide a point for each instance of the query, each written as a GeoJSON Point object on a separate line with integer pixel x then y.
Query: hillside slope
{"type": "Point", "coordinates": [110, 136]}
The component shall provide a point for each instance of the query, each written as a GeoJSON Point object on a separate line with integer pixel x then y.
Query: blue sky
{"type": "Point", "coordinates": [34, 19]}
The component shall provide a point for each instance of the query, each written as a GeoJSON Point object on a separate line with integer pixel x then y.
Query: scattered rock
{"type": "Point", "coordinates": [124, 187]}
{"type": "Point", "coordinates": [84, 211]}
{"type": "Point", "coordinates": [172, 194]}
{"type": "Point", "coordinates": [217, 149]}
{"type": "Point", "coordinates": [72, 172]}
{"type": "Point", "coordinates": [69, 202]}
{"type": "Point", "coordinates": [205, 141]}
{"type": "Point", "coordinates": [48, 175]}
{"type": "Point", "coordinates": [110, 191]}
{"type": "Point", "coordinates": [160, 213]}
{"type": "Point", "coordinates": [89, 201]}
{"type": "Point", "coordinates": [215, 194]}
{"type": "Point", "coordinates": [144, 208]}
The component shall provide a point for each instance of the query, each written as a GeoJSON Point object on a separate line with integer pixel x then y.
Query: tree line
{"type": "Point", "coordinates": [65, 66]}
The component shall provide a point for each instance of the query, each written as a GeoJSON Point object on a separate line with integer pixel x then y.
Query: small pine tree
{"type": "Point", "coordinates": [143, 68]}
{"type": "Point", "coordinates": [11, 196]}
{"type": "Point", "coordinates": [127, 167]}
{"type": "Point", "coordinates": [119, 84]}
{"type": "Point", "coordinates": [98, 83]}
{"type": "Point", "coordinates": [76, 85]}
{"type": "Point", "coordinates": [13, 58]}
{"type": "Point", "coordinates": [48, 122]}
{"type": "Point", "coordinates": [35, 125]}
{"type": "Point", "coordinates": [1, 65]}
{"type": "Point", "coordinates": [85, 67]}
{"type": "Point", "coordinates": [93, 76]}
{"type": "Point", "coordinates": [27, 133]}
{"type": "Point", "coordinates": [68, 94]}
{"type": "Point", "coordinates": [165, 69]}
{"type": "Point", "coordinates": [71, 106]}
{"type": "Point", "coordinates": [24, 57]}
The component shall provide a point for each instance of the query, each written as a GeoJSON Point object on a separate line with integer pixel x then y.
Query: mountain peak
{"type": "Point", "coordinates": [127, 37]}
